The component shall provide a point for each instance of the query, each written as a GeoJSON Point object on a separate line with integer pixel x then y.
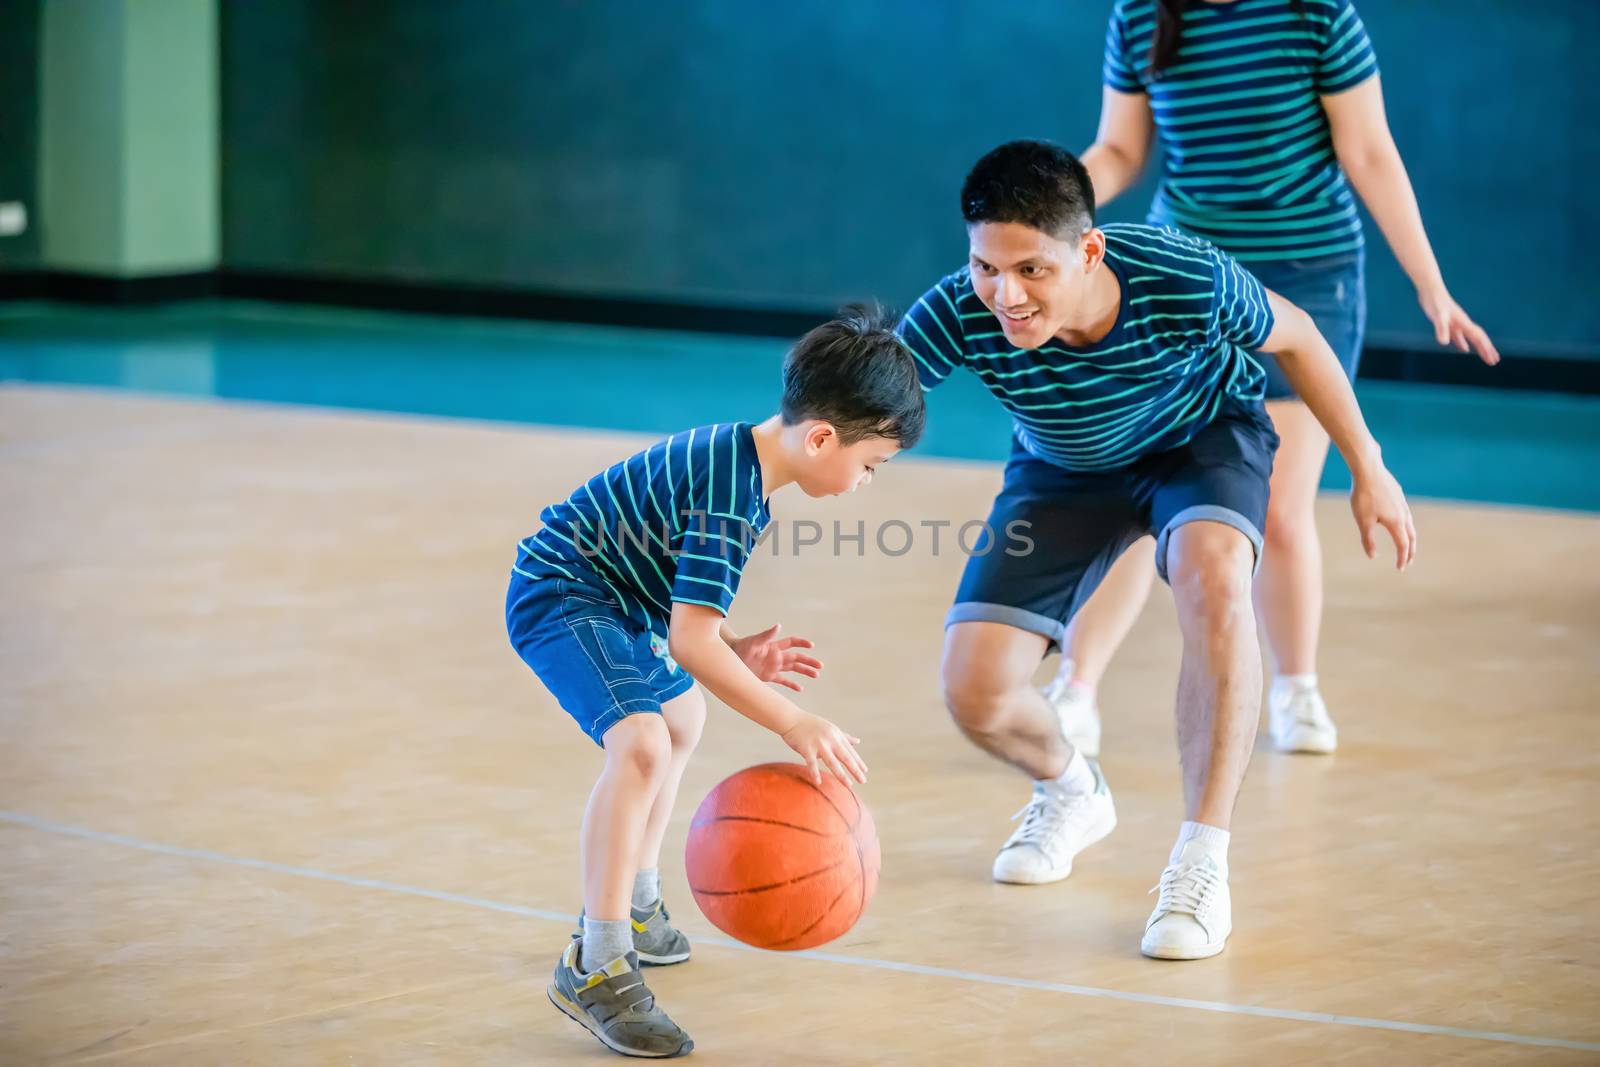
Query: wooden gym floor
{"type": "Point", "coordinates": [274, 789]}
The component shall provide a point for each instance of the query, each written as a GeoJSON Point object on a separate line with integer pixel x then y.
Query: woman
{"type": "Point", "coordinates": [1269, 111]}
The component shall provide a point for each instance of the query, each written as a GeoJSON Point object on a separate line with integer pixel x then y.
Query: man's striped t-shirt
{"type": "Point", "coordinates": [676, 522]}
{"type": "Point", "coordinates": [1249, 161]}
{"type": "Point", "coordinates": [1186, 324]}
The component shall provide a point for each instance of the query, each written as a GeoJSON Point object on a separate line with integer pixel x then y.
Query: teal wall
{"type": "Point", "coordinates": [799, 154]}
{"type": "Point", "coordinates": [19, 125]}
{"type": "Point", "coordinates": [172, 113]}
{"type": "Point", "coordinates": [82, 177]}
{"type": "Point", "coordinates": [127, 160]}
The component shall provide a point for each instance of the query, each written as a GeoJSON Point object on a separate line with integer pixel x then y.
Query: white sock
{"type": "Point", "coordinates": [1213, 839]}
{"type": "Point", "coordinates": [1076, 781]}
{"type": "Point", "coordinates": [1284, 684]}
{"type": "Point", "coordinates": [647, 887]}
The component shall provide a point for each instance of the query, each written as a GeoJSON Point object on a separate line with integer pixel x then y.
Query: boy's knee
{"type": "Point", "coordinates": [640, 745]}
{"type": "Point", "coordinates": [686, 718]}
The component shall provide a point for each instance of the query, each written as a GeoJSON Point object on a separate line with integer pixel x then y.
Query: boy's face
{"type": "Point", "coordinates": [832, 468]}
{"type": "Point", "coordinates": [1030, 280]}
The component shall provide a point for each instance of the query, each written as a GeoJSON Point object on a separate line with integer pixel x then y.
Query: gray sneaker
{"type": "Point", "coordinates": [616, 1006]}
{"type": "Point", "coordinates": [657, 942]}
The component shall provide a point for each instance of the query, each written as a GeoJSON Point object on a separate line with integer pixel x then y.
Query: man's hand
{"type": "Point", "coordinates": [1376, 500]}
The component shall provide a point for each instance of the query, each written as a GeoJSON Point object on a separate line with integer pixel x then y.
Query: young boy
{"type": "Point", "coordinates": [618, 605]}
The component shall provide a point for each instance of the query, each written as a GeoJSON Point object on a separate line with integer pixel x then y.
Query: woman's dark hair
{"type": "Point", "coordinates": [1168, 37]}
{"type": "Point", "coordinates": [855, 374]}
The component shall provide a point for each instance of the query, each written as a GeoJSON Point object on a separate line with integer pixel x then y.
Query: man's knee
{"type": "Point", "coordinates": [974, 696]}
{"type": "Point", "coordinates": [1210, 566]}
{"type": "Point", "coordinates": [983, 667]}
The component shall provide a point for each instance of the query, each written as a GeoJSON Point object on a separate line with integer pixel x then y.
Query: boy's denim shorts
{"type": "Point", "coordinates": [596, 662]}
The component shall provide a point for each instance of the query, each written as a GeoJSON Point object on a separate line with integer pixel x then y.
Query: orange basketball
{"type": "Point", "coordinates": [779, 862]}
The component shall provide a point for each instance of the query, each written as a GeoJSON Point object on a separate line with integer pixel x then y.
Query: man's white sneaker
{"type": "Point", "coordinates": [1055, 827]}
{"type": "Point", "coordinates": [1194, 914]}
{"type": "Point", "coordinates": [1075, 708]}
{"type": "Point", "coordinates": [1299, 720]}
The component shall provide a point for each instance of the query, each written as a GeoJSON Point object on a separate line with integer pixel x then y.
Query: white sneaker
{"type": "Point", "coordinates": [1054, 829]}
{"type": "Point", "coordinates": [1080, 719]}
{"type": "Point", "coordinates": [1194, 914]}
{"type": "Point", "coordinates": [1299, 720]}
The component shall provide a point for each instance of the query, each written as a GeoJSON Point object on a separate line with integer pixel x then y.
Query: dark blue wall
{"type": "Point", "coordinates": [805, 153]}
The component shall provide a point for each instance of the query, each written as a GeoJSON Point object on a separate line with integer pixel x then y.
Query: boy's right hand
{"type": "Point", "coordinates": [822, 744]}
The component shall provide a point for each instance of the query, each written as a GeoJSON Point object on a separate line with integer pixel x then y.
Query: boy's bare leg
{"type": "Point", "coordinates": [638, 757]}
{"type": "Point", "coordinates": [685, 717]}
{"type": "Point", "coordinates": [597, 982]}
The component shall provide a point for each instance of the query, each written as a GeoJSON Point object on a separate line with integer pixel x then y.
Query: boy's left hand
{"type": "Point", "coordinates": [770, 657]}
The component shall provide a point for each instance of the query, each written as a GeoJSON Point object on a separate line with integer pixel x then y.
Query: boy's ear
{"type": "Point", "coordinates": [819, 435]}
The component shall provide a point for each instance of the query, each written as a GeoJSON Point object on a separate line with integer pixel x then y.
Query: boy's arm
{"type": "Point", "coordinates": [696, 639]}
{"type": "Point", "coordinates": [1314, 371]}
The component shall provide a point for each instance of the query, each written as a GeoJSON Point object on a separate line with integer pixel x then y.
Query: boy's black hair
{"type": "Point", "coordinates": [1036, 183]}
{"type": "Point", "coordinates": [857, 375]}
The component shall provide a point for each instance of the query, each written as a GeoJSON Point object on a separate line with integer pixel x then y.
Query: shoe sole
{"type": "Point", "coordinates": [1204, 952]}
{"type": "Point", "coordinates": [579, 1016]}
{"type": "Point", "coordinates": [1098, 834]}
{"type": "Point", "coordinates": [1317, 748]}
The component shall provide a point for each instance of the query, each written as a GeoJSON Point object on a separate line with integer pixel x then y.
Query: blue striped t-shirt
{"type": "Point", "coordinates": [1188, 318]}
{"type": "Point", "coordinates": [675, 522]}
{"type": "Point", "coordinates": [1249, 160]}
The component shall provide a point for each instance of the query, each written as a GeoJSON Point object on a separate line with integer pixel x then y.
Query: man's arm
{"type": "Point", "coordinates": [1318, 379]}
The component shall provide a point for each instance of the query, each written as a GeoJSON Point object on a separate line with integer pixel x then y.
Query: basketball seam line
{"type": "Point", "coordinates": [763, 888]}
{"type": "Point", "coordinates": [851, 829]}
{"type": "Point", "coordinates": [818, 921]}
{"type": "Point", "coordinates": [752, 818]}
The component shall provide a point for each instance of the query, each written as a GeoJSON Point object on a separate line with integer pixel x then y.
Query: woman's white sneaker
{"type": "Point", "coordinates": [1299, 720]}
{"type": "Point", "coordinates": [1076, 711]}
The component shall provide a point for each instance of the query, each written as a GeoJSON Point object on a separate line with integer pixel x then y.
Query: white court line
{"type": "Point", "coordinates": [48, 826]}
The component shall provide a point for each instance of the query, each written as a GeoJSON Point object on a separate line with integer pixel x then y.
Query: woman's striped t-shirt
{"type": "Point", "coordinates": [1249, 160]}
